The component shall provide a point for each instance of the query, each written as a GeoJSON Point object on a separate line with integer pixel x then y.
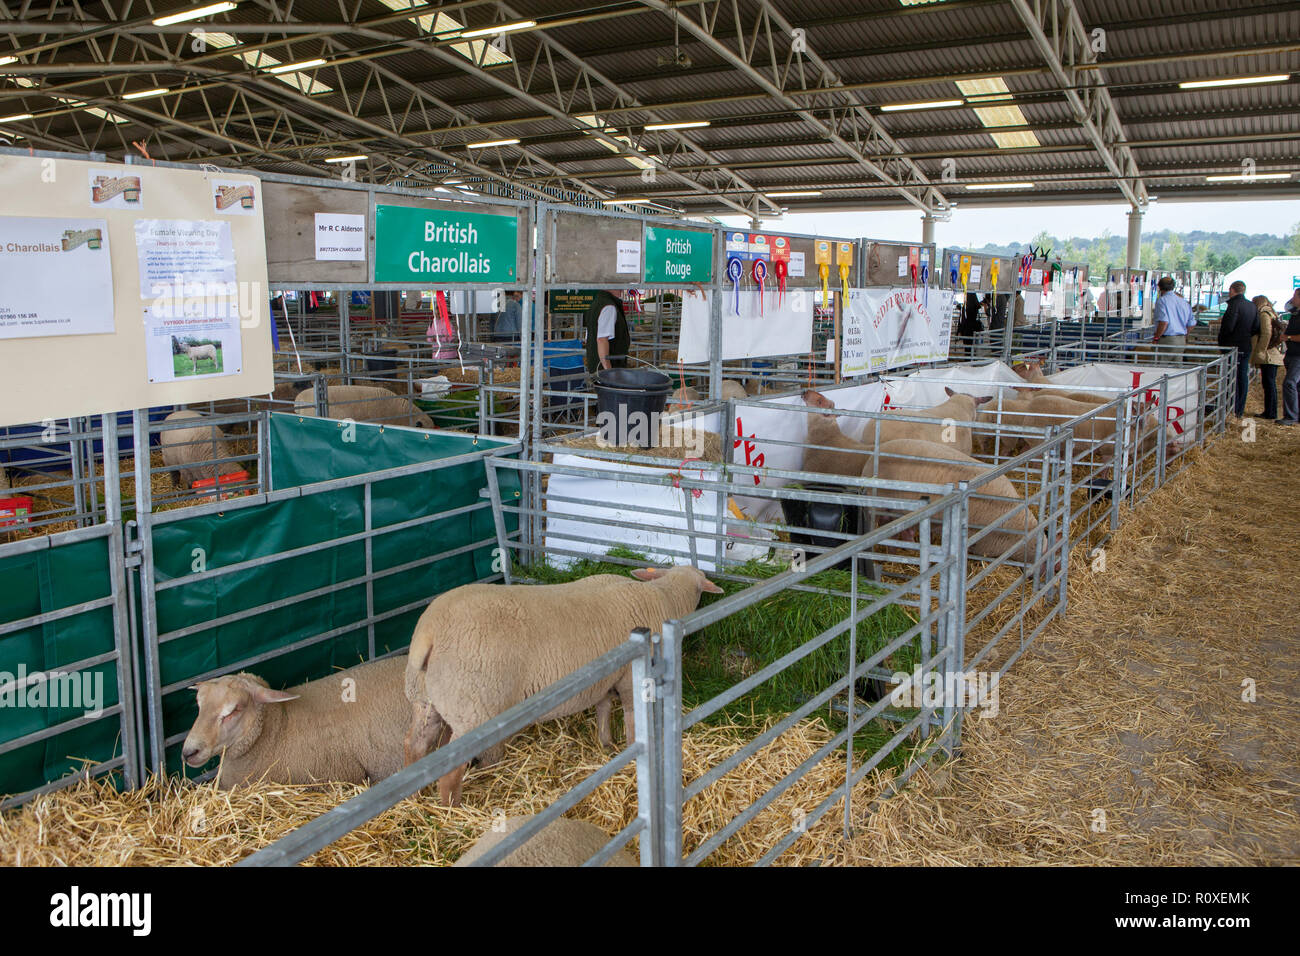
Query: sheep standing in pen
{"type": "Point", "coordinates": [198, 353]}
{"type": "Point", "coordinates": [958, 407]}
{"type": "Point", "coordinates": [1033, 372]}
{"type": "Point", "coordinates": [195, 450]}
{"type": "Point", "coordinates": [480, 649]}
{"type": "Point", "coordinates": [363, 403]}
{"type": "Point", "coordinates": [733, 389]}
{"type": "Point", "coordinates": [345, 727]}
{"type": "Point", "coordinates": [900, 461]}
{"type": "Point", "coordinates": [830, 451]}
{"type": "Point", "coordinates": [562, 842]}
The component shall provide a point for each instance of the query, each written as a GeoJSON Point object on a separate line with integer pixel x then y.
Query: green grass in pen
{"type": "Point", "coordinates": [731, 649]}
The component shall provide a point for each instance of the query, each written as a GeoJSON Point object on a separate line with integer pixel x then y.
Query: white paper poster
{"type": "Point", "coordinates": [233, 198]}
{"type": "Point", "coordinates": [629, 257]}
{"type": "Point", "coordinates": [56, 277]}
{"type": "Point", "coordinates": [192, 339]}
{"type": "Point", "coordinates": [340, 237]}
{"type": "Point", "coordinates": [902, 267]}
{"type": "Point", "coordinates": [975, 273]}
{"type": "Point", "coordinates": [757, 331]}
{"type": "Point", "coordinates": [888, 328]}
{"type": "Point", "coordinates": [115, 189]}
{"type": "Point", "coordinates": [796, 265]}
{"type": "Point", "coordinates": [184, 258]}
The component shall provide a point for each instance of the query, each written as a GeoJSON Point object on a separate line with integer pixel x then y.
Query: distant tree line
{"type": "Point", "coordinates": [1166, 250]}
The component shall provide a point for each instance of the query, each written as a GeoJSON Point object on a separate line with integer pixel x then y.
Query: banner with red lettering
{"type": "Point", "coordinates": [889, 328]}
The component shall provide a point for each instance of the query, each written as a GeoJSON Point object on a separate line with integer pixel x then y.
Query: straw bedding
{"type": "Point", "coordinates": [1122, 736]}
{"type": "Point", "coordinates": [169, 822]}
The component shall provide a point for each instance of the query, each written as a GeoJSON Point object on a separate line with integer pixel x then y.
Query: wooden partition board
{"type": "Point", "coordinates": [53, 376]}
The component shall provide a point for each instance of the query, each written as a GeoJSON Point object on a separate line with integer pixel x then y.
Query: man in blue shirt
{"type": "Point", "coordinates": [1173, 317]}
{"type": "Point", "coordinates": [508, 321]}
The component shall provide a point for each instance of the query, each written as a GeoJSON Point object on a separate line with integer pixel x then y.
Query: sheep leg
{"type": "Point", "coordinates": [427, 729]}
{"type": "Point", "coordinates": [449, 785]}
{"type": "Point", "coordinates": [625, 691]}
{"type": "Point", "coordinates": [603, 734]}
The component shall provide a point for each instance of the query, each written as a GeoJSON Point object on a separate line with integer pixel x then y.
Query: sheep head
{"type": "Point", "coordinates": [701, 582]}
{"type": "Point", "coordinates": [230, 716]}
{"type": "Point", "coordinates": [815, 399]}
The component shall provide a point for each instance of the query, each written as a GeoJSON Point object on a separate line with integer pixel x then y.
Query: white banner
{"type": "Point", "coordinates": [1182, 397]}
{"type": "Point", "coordinates": [756, 332]}
{"type": "Point", "coordinates": [924, 388]}
{"type": "Point", "coordinates": [888, 328]}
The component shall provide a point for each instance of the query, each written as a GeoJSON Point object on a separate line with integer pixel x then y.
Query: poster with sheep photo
{"type": "Point", "coordinates": [197, 344]}
{"type": "Point", "coordinates": [889, 328]}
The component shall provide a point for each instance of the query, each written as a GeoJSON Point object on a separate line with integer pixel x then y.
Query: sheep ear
{"type": "Point", "coordinates": [986, 398]}
{"type": "Point", "coordinates": [711, 587]}
{"type": "Point", "coordinates": [647, 574]}
{"type": "Point", "coordinates": [264, 695]}
{"type": "Point", "coordinates": [949, 392]}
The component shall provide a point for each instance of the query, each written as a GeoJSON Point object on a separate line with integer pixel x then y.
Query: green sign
{"type": "Point", "coordinates": [676, 255]}
{"type": "Point", "coordinates": [570, 301]}
{"type": "Point", "coordinates": [429, 247]}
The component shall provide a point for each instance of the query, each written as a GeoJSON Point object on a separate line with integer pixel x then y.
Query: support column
{"type": "Point", "coordinates": [927, 229]}
{"type": "Point", "coordinates": [1134, 238]}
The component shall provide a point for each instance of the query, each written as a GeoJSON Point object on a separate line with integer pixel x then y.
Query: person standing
{"type": "Point", "coordinates": [508, 322]}
{"type": "Point", "coordinates": [1018, 315]}
{"type": "Point", "coordinates": [1266, 355]}
{"type": "Point", "coordinates": [608, 338]}
{"type": "Point", "coordinates": [1291, 381]}
{"type": "Point", "coordinates": [1173, 317]}
{"type": "Point", "coordinates": [1237, 330]}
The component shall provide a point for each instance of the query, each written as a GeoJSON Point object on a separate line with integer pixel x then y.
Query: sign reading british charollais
{"type": "Point", "coordinates": [444, 245]}
{"type": "Point", "coordinates": [678, 255]}
{"type": "Point", "coordinates": [888, 328]}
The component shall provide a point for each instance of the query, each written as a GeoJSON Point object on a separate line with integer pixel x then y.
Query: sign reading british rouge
{"type": "Point", "coordinates": [678, 255]}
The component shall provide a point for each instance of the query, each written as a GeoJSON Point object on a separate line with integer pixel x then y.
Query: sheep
{"type": "Point", "coordinates": [193, 450]}
{"type": "Point", "coordinates": [345, 727]}
{"type": "Point", "coordinates": [1033, 372]}
{"type": "Point", "coordinates": [363, 403]}
{"type": "Point", "coordinates": [197, 353]}
{"type": "Point", "coordinates": [479, 649]}
{"type": "Point", "coordinates": [683, 395]}
{"type": "Point", "coordinates": [562, 842]}
{"type": "Point", "coordinates": [958, 407]}
{"type": "Point", "coordinates": [898, 462]}
{"type": "Point", "coordinates": [733, 389]}
{"type": "Point", "coordinates": [844, 456]}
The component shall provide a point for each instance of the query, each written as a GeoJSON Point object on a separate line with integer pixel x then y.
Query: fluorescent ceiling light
{"type": "Point", "coordinates": [628, 202]}
{"type": "Point", "coordinates": [193, 14]}
{"type": "Point", "coordinates": [6, 60]}
{"type": "Point", "coordinates": [1242, 178]}
{"type": "Point", "coordinates": [999, 185]}
{"type": "Point", "coordinates": [688, 124]}
{"type": "Point", "coordinates": [499, 28]}
{"type": "Point", "coordinates": [294, 67]}
{"type": "Point", "coordinates": [796, 193]}
{"type": "Point", "coordinates": [346, 159]}
{"type": "Point", "coordinates": [1234, 81]}
{"type": "Point", "coordinates": [926, 105]}
{"type": "Point", "coordinates": [15, 118]}
{"type": "Point", "coordinates": [491, 142]}
{"type": "Point", "coordinates": [142, 94]}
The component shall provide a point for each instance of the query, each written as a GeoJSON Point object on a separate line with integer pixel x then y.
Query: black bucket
{"type": "Point", "coordinates": [379, 361]}
{"type": "Point", "coordinates": [824, 516]}
{"type": "Point", "coordinates": [625, 392]}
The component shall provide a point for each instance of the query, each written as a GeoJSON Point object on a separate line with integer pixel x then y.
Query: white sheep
{"type": "Point", "coordinates": [480, 649]}
{"type": "Point", "coordinates": [345, 727]}
{"type": "Point", "coordinates": [900, 460]}
{"type": "Point", "coordinates": [562, 842]}
{"type": "Point", "coordinates": [194, 450]}
{"type": "Point", "coordinates": [363, 403]}
{"type": "Point", "coordinates": [199, 352]}
{"type": "Point", "coordinates": [958, 407]}
{"type": "Point", "coordinates": [732, 389]}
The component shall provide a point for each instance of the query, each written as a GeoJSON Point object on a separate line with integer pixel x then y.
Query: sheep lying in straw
{"type": "Point", "coordinates": [194, 450]}
{"type": "Point", "coordinates": [346, 727]}
{"type": "Point", "coordinates": [480, 649]}
{"type": "Point", "coordinates": [198, 353]}
{"type": "Point", "coordinates": [561, 842]}
{"type": "Point", "coordinates": [363, 403]}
